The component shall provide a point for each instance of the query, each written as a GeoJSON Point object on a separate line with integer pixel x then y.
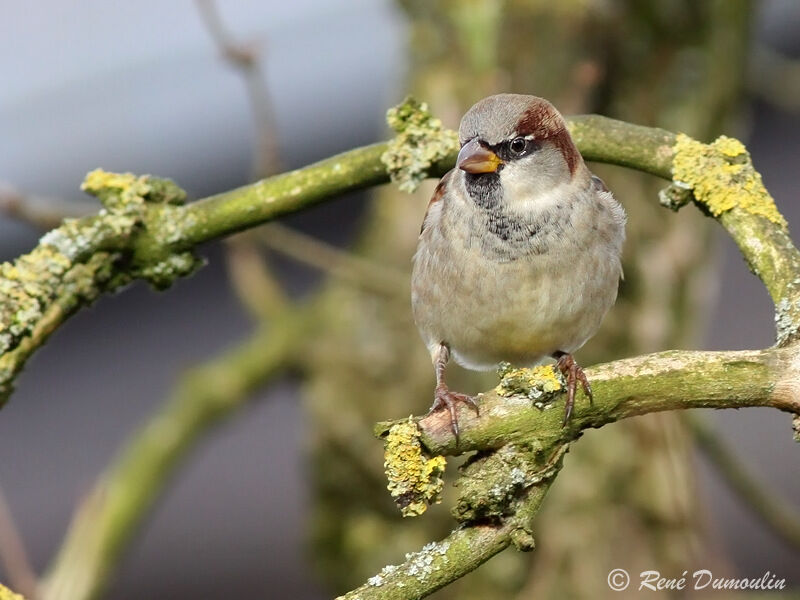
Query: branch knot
{"type": "Point", "coordinates": [421, 142]}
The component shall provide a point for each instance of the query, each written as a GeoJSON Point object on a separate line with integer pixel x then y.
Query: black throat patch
{"type": "Point", "coordinates": [510, 237]}
{"type": "Point", "coordinates": [484, 189]}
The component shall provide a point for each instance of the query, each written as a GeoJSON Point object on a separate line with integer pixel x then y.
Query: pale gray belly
{"type": "Point", "coordinates": [520, 311]}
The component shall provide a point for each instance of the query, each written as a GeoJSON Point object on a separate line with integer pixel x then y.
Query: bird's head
{"type": "Point", "coordinates": [515, 146]}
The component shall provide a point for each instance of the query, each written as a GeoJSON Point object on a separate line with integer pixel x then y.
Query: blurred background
{"type": "Point", "coordinates": [284, 498]}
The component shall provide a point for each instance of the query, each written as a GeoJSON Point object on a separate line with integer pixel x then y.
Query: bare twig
{"type": "Point", "coordinates": [380, 279]}
{"type": "Point", "coordinates": [246, 57]}
{"type": "Point", "coordinates": [38, 211]}
{"type": "Point", "coordinates": [255, 285]}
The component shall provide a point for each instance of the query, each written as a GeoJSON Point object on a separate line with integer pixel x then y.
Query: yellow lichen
{"type": "Point", "coordinates": [415, 481]}
{"type": "Point", "coordinates": [119, 192]}
{"type": "Point", "coordinates": [98, 180]}
{"type": "Point", "coordinates": [722, 177]}
{"type": "Point", "coordinates": [421, 142]}
{"type": "Point", "coordinates": [125, 192]}
{"type": "Point", "coordinates": [52, 270]}
{"type": "Point", "coordinates": [7, 594]}
{"type": "Point", "coordinates": [535, 383]}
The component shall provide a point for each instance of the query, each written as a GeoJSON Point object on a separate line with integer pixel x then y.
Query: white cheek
{"type": "Point", "coordinates": [527, 189]}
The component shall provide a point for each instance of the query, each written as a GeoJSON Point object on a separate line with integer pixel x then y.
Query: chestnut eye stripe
{"type": "Point", "coordinates": [515, 148]}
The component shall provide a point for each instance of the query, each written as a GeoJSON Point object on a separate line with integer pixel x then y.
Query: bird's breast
{"type": "Point", "coordinates": [516, 293]}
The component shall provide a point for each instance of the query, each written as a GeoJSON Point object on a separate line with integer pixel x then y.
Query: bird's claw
{"type": "Point", "coordinates": [573, 372]}
{"type": "Point", "coordinates": [445, 398]}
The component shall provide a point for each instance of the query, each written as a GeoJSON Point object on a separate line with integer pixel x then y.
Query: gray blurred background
{"type": "Point", "coordinates": [141, 87]}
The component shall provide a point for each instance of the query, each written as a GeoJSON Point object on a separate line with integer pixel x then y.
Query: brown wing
{"type": "Point", "coordinates": [438, 195]}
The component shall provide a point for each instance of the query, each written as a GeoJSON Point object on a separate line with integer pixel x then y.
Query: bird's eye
{"type": "Point", "coordinates": [518, 145]}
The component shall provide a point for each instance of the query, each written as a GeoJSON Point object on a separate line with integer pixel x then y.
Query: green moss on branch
{"type": "Point", "coordinates": [268, 199]}
{"type": "Point", "coordinates": [646, 149]}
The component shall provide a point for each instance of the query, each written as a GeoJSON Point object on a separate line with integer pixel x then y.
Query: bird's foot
{"type": "Point", "coordinates": [444, 397]}
{"type": "Point", "coordinates": [573, 372]}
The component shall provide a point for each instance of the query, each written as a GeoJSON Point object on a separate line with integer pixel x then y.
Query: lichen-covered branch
{"type": "Point", "coordinates": [147, 233]}
{"type": "Point", "coordinates": [524, 410]}
{"type": "Point", "coordinates": [521, 441]}
{"type": "Point", "coordinates": [465, 549]}
{"type": "Point", "coordinates": [670, 380]}
{"type": "Point", "coordinates": [108, 518]}
{"type": "Point", "coordinates": [721, 179]}
{"type": "Point", "coordinates": [74, 263]}
{"type": "Point", "coordinates": [78, 286]}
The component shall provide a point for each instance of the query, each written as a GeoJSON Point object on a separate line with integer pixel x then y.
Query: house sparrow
{"type": "Point", "coordinates": [518, 259]}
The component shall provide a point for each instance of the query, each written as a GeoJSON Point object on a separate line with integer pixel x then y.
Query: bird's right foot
{"type": "Point", "coordinates": [444, 397]}
{"type": "Point", "coordinates": [574, 374]}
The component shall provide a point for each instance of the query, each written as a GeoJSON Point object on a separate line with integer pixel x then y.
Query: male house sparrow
{"type": "Point", "coordinates": [519, 254]}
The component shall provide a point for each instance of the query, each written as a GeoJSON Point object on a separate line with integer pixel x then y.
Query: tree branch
{"type": "Point", "coordinates": [144, 224]}
{"type": "Point", "coordinates": [145, 233]}
{"type": "Point", "coordinates": [377, 278]}
{"type": "Point", "coordinates": [520, 415]}
{"type": "Point", "coordinates": [464, 550]}
{"type": "Point", "coordinates": [670, 380]}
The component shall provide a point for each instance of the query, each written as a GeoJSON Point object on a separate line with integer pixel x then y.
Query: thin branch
{"type": "Point", "coordinates": [381, 279]}
{"type": "Point", "coordinates": [778, 515]}
{"type": "Point", "coordinates": [287, 193]}
{"type": "Point", "coordinates": [247, 58]}
{"type": "Point", "coordinates": [40, 212]}
{"type": "Point", "coordinates": [257, 288]}
{"type": "Point", "coordinates": [13, 555]}
{"type": "Point", "coordinates": [278, 237]}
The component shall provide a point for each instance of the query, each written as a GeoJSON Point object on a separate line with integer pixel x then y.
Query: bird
{"type": "Point", "coordinates": [519, 255]}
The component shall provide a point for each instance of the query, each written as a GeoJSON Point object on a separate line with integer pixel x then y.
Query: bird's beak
{"type": "Point", "coordinates": [475, 158]}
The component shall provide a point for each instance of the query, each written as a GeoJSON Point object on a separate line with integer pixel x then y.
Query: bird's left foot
{"type": "Point", "coordinates": [573, 372]}
{"type": "Point", "coordinates": [444, 397]}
